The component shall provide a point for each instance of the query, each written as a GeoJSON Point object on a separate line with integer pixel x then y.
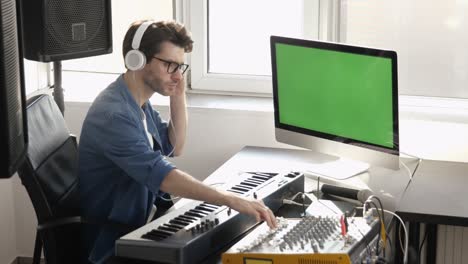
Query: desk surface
{"type": "Point", "coordinates": [437, 194]}
{"type": "Point", "coordinates": [389, 185]}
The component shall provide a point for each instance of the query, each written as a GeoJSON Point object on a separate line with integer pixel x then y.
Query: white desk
{"type": "Point", "coordinates": [389, 185]}
{"type": "Point", "coordinates": [437, 194]}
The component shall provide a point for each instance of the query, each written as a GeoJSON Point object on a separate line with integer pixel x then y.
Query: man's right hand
{"type": "Point", "coordinates": [252, 207]}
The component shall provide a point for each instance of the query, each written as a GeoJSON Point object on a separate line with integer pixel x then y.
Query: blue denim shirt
{"type": "Point", "coordinates": [120, 174]}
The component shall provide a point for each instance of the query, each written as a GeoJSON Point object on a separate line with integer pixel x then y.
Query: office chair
{"type": "Point", "coordinates": [50, 177]}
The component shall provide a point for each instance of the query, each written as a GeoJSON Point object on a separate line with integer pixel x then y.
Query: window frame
{"type": "Point", "coordinates": [194, 14]}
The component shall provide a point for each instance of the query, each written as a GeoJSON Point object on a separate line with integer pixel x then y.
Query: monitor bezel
{"type": "Point", "coordinates": [373, 148]}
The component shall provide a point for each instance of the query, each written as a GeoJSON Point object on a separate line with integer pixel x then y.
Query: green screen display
{"type": "Point", "coordinates": [337, 93]}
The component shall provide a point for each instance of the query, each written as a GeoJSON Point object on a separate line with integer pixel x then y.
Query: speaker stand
{"type": "Point", "coordinates": [58, 90]}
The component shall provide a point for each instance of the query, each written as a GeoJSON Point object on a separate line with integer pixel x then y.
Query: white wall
{"type": "Point", "coordinates": [25, 220]}
{"type": "Point", "coordinates": [7, 222]}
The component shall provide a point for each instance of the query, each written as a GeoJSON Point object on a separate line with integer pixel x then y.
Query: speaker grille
{"type": "Point", "coordinates": [74, 26]}
{"type": "Point", "coordinates": [10, 83]}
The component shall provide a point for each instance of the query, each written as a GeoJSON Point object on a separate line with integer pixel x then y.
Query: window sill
{"type": "Point", "coordinates": [83, 87]}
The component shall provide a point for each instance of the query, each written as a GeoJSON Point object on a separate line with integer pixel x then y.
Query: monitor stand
{"type": "Point", "coordinates": [339, 169]}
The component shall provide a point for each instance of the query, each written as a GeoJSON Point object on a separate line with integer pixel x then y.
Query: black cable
{"type": "Point", "coordinates": [303, 205]}
{"type": "Point", "coordinates": [422, 244]}
{"type": "Point", "coordinates": [415, 169]}
{"type": "Point", "coordinates": [383, 215]}
{"type": "Point", "coordinates": [380, 228]}
{"type": "Point", "coordinates": [400, 240]}
{"type": "Point", "coordinates": [381, 207]}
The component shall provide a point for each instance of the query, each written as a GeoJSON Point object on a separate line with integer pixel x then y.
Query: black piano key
{"type": "Point", "coordinates": [156, 233]}
{"type": "Point", "coordinates": [175, 226]}
{"type": "Point", "coordinates": [234, 191]}
{"type": "Point", "coordinates": [193, 214]}
{"type": "Point", "coordinates": [243, 190]}
{"type": "Point", "coordinates": [246, 186]}
{"type": "Point", "coordinates": [168, 229]}
{"type": "Point", "coordinates": [262, 178]}
{"type": "Point", "coordinates": [249, 184]}
{"type": "Point", "coordinates": [214, 206]}
{"type": "Point", "coordinates": [199, 211]}
{"type": "Point", "coordinates": [206, 209]}
{"type": "Point", "coordinates": [154, 237]}
{"type": "Point", "coordinates": [188, 218]}
{"type": "Point", "coordinates": [258, 182]}
{"type": "Point", "coordinates": [179, 222]}
{"type": "Point", "coordinates": [161, 232]}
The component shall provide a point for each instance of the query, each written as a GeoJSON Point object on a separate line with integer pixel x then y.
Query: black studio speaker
{"type": "Point", "coordinates": [56, 30]}
{"type": "Point", "coordinates": [13, 123]}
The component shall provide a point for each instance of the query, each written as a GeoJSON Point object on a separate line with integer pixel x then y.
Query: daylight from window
{"type": "Point", "coordinates": [239, 33]}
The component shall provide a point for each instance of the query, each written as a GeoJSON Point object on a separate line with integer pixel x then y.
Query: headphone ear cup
{"type": "Point", "coordinates": [135, 60]}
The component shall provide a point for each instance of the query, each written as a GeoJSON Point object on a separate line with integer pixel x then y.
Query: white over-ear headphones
{"type": "Point", "coordinates": [135, 59]}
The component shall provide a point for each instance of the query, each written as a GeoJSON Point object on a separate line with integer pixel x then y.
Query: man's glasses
{"type": "Point", "coordinates": [174, 66]}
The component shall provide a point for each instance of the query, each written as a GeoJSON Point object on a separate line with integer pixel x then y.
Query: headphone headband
{"type": "Point", "coordinates": [139, 34]}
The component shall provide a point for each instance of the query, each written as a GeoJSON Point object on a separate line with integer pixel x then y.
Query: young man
{"type": "Point", "coordinates": [124, 142]}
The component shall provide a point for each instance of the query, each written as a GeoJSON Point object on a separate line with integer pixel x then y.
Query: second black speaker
{"type": "Point", "coordinates": [55, 30]}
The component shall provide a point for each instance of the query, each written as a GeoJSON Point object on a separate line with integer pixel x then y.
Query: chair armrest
{"type": "Point", "coordinates": [60, 222]}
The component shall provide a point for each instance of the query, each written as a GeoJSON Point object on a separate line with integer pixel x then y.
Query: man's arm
{"type": "Point", "coordinates": [178, 123]}
{"type": "Point", "coordinates": [184, 185]}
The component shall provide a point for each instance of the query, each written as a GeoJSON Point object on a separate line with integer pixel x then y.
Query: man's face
{"type": "Point", "coordinates": [156, 76]}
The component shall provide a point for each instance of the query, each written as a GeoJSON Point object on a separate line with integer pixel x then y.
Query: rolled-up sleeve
{"type": "Point", "coordinates": [127, 147]}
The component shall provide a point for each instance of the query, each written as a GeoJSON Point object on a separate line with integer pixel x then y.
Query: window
{"type": "Point", "coordinates": [429, 37]}
{"type": "Point", "coordinates": [232, 55]}
{"type": "Point", "coordinates": [35, 76]}
{"type": "Point", "coordinates": [231, 51]}
{"type": "Point", "coordinates": [232, 40]}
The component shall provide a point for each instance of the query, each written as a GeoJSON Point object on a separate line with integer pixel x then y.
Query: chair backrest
{"type": "Point", "coordinates": [51, 179]}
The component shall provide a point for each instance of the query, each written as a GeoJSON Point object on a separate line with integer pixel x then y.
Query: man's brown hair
{"type": "Point", "coordinates": [155, 34]}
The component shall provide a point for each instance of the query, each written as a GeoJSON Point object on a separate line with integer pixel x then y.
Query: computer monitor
{"type": "Point", "coordinates": [336, 99]}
